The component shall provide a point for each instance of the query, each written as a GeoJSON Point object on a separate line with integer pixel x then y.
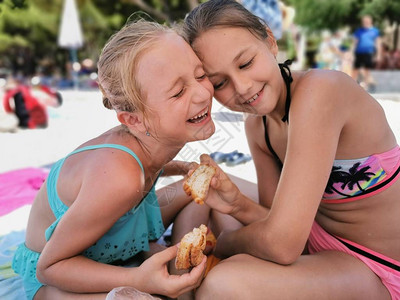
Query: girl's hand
{"type": "Point", "coordinates": [157, 280]}
{"type": "Point", "coordinates": [223, 193]}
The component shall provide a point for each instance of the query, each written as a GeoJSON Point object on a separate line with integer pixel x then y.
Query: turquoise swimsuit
{"type": "Point", "coordinates": [128, 236]}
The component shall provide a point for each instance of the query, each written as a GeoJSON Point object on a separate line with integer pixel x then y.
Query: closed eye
{"type": "Point", "coordinates": [219, 85]}
{"type": "Point", "coordinates": [179, 94]}
{"type": "Point", "coordinates": [248, 64]}
{"type": "Point", "coordinates": [201, 77]}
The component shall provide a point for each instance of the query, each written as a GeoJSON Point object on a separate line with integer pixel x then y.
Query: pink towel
{"type": "Point", "coordinates": [19, 187]}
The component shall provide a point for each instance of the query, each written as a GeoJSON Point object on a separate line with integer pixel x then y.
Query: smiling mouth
{"type": "Point", "coordinates": [199, 117]}
{"type": "Point", "coordinates": [254, 98]}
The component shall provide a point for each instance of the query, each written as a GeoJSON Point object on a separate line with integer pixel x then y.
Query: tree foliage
{"type": "Point", "coordinates": [328, 14]}
{"type": "Point", "coordinates": [29, 28]}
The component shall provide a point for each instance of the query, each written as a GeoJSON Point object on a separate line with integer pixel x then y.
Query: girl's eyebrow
{"type": "Point", "coordinates": [237, 57]}
{"type": "Point", "coordinates": [172, 86]}
{"type": "Point", "coordinates": [240, 54]}
{"type": "Point", "coordinates": [180, 78]}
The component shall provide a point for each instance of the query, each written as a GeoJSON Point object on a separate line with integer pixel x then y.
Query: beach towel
{"type": "Point", "coordinates": [17, 191]}
{"type": "Point", "coordinates": [11, 287]}
{"type": "Point", "coordinates": [19, 187]}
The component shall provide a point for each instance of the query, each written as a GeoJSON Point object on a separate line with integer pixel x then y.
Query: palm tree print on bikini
{"type": "Point", "coordinates": [348, 179]}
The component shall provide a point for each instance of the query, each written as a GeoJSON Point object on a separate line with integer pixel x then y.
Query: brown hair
{"type": "Point", "coordinates": [118, 62]}
{"type": "Point", "coordinates": [222, 13]}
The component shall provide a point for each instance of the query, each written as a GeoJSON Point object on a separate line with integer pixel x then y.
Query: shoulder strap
{"type": "Point", "coordinates": [287, 77]}
{"type": "Point", "coordinates": [268, 142]}
{"type": "Point", "coordinates": [116, 146]}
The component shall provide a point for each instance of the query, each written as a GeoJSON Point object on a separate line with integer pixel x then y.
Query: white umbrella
{"type": "Point", "coordinates": [70, 34]}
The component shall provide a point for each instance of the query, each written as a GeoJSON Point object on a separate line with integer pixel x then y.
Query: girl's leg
{"type": "Point", "coordinates": [52, 293]}
{"type": "Point", "coordinates": [247, 188]}
{"type": "Point", "coordinates": [172, 199]}
{"type": "Point", "coordinates": [220, 222]}
{"type": "Point", "coordinates": [324, 275]}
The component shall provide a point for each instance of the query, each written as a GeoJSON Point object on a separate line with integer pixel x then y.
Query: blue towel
{"type": "Point", "coordinates": [11, 287]}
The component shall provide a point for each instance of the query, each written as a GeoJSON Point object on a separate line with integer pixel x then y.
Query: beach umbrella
{"type": "Point", "coordinates": [70, 34]}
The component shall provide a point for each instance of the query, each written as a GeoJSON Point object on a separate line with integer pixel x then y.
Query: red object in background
{"type": "Point", "coordinates": [30, 111]}
{"type": "Point", "coordinates": [48, 90]}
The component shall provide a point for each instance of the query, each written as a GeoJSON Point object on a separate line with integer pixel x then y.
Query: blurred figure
{"type": "Point", "coordinates": [367, 44]}
{"type": "Point", "coordinates": [269, 11]}
{"type": "Point", "coordinates": [30, 109]}
{"type": "Point", "coordinates": [329, 53]}
{"type": "Point", "coordinates": [396, 59]}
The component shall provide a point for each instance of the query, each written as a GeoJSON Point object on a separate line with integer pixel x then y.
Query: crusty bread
{"type": "Point", "coordinates": [190, 251]}
{"type": "Point", "coordinates": [197, 184]}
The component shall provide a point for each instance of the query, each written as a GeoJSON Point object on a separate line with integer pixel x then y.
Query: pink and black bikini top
{"type": "Point", "coordinates": [350, 179]}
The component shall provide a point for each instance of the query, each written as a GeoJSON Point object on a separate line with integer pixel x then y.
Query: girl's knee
{"type": "Point", "coordinates": [214, 286]}
{"type": "Point", "coordinates": [219, 281]}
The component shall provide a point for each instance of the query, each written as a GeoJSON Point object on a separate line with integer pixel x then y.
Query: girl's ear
{"type": "Point", "coordinates": [271, 42]}
{"type": "Point", "coordinates": [131, 120]}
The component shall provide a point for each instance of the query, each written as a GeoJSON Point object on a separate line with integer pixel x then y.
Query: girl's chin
{"type": "Point", "coordinates": [203, 133]}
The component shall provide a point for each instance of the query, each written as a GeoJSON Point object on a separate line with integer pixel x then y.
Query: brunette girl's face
{"type": "Point", "coordinates": [242, 68]}
{"type": "Point", "coordinates": [177, 92]}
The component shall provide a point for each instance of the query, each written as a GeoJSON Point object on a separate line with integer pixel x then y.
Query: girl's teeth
{"type": "Point", "coordinates": [200, 115]}
{"type": "Point", "coordinates": [252, 99]}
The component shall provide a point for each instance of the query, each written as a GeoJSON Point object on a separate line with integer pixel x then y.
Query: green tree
{"type": "Point", "coordinates": [29, 28]}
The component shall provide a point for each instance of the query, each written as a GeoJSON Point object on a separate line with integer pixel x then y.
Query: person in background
{"type": "Point", "coordinates": [30, 105]}
{"type": "Point", "coordinates": [367, 48]}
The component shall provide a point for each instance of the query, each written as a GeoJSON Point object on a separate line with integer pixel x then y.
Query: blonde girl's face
{"type": "Point", "coordinates": [177, 93]}
{"type": "Point", "coordinates": [241, 67]}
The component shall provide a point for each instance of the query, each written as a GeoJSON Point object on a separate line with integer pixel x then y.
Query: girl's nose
{"type": "Point", "coordinates": [201, 93]}
{"type": "Point", "coordinates": [242, 85]}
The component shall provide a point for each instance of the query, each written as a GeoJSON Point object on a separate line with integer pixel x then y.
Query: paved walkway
{"type": "Point", "coordinates": [387, 82]}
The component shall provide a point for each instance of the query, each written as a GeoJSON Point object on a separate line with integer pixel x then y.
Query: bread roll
{"type": "Point", "coordinates": [197, 184]}
{"type": "Point", "coordinates": [190, 251]}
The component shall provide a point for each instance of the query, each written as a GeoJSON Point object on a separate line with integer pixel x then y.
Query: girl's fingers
{"type": "Point", "coordinates": [206, 159]}
{"type": "Point", "coordinates": [167, 254]}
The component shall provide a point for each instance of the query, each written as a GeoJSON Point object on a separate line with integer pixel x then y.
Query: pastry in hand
{"type": "Point", "coordinates": [197, 184]}
{"type": "Point", "coordinates": [190, 251]}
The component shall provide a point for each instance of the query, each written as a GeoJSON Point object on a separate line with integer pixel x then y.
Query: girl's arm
{"type": "Point", "coordinates": [177, 167]}
{"type": "Point", "coordinates": [236, 203]}
{"type": "Point", "coordinates": [316, 121]}
{"type": "Point", "coordinates": [107, 192]}
{"type": "Point", "coordinates": [267, 168]}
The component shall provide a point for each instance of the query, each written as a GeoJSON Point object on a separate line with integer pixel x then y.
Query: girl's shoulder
{"type": "Point", "coordinates": [321, 78]}
{"type": "Point", "coordinates": [114, 166]}
{"type": "Point", "coordinates": [324, 87]}
{"type": "Point", "coordinates": [325, 93]}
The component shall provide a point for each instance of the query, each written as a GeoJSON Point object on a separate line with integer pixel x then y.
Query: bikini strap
{"type": "Point", "coordinates": [287, 77]}
{"type": "Point", "coordinates": [115, 146]}
{"type": "Point", "coordinates": [268, 142]}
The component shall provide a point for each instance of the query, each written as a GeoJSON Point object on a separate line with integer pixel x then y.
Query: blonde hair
{"type": "Point", "coordinates": [117, 65]}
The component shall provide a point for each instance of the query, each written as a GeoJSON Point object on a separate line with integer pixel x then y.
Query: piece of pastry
{"type": "Point", "coordinates": [190, 251]}
{"type": "Point", "coordinates": [197, 184]}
